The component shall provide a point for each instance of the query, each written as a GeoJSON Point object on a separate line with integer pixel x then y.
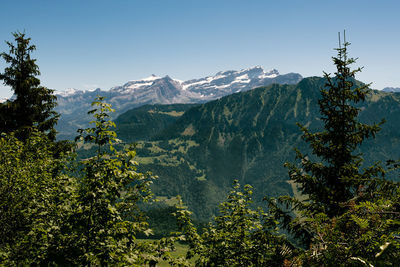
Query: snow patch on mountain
{"type": "Point", "coordinates": [68, 92]}
{"type": "Point", "coordinates": [152, 77]}
{"type": "Point", "coordinates": [138, 85]}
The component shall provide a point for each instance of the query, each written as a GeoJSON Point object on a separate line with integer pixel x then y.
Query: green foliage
{"type": "Point", "coordinates": [109, 188]}
{"type": "Point", "coordinates": [239, 236]}
{"type": "Point", "coordinates": [368, 232]}
{"type": "Point", "coordinates": [161, 221]}
{"type": "Point", "coordinates": [33, 104]}
{"type": "Point", "coordinates": [55, 211]}
{"type": "Point", "coordinates": [32, 191]}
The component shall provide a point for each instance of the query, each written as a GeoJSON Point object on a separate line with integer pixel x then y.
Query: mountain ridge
{"type": "Point", "coordinates": [246, 78]}
{"type": "Point", "coordinates": [391, 89]}
{"type": "Point", "coordinates": [73, 104]}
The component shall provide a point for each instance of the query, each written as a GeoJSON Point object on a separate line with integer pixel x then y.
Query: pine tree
{"type": "Point", "coordinates": [348, 215]}
{"type": "Point", "coordinates": [337, 177]}
{"type": "Point", "coordinates": [33, 104]}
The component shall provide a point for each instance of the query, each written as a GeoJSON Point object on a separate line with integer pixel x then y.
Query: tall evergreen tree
{"type": "Point", "coordinates": [33, 104]}
{"type": "Point", "coordinates": [337, 177]}
{"type": "Point", "coordinates": [347, 215]}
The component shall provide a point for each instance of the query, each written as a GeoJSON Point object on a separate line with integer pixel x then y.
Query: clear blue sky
{"type": "Point", "coordinates": [88, 44]}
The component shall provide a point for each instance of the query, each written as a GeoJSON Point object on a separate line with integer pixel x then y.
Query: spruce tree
{"type": "Point", "coordinates": [347, 213]}
{"type": "Point", "coordinates": [337, 176]}
{"type": "Point", "coordinates": [33, 104]}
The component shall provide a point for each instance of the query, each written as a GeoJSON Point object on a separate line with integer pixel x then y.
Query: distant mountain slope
{"type": "Point", "coordinates": [146, 121]}
{"type": "Point", "coordinates": [249, 136]}
{"type": "Point", "coordinates": [391, 89]}
{"type": "Point", "coordinates": [73, 104]}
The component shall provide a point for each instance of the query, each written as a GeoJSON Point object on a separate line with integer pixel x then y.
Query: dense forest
{"type": "Point", "coordinates": [60, 208]}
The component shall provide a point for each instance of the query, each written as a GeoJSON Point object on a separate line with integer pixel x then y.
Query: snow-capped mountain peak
{"type": "Point", "coordinates": [152, 77]}
{"type": "Point", "coordinates": [135, 85]}
{"type": "Point", "coordinates": [231, 81]}
{"type": "Point", "coordinates": [67, 92]}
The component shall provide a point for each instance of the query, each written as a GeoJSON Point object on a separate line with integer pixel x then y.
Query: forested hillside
{"type": "Point", "coordinates": [246, 136]}
{"type": "Point", "coordinates": [144, 122]}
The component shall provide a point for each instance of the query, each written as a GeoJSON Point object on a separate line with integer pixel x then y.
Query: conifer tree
{"type": "Point", "coordinates": [337, 177]}
{"type": "Point", "coordinates": [348, 215]}
{"type": "Point", "coordinates": [33, 104]}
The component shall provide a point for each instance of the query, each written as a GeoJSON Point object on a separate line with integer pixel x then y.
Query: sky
{"type": "Point", "coordinates": [100, 44]}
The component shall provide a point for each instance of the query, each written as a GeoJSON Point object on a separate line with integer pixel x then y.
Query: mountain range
{"type": "Point", "coordinates": [391, 89]}
{"type": "Point", "coordinates": [198, 150]}
{"type": "Point", "coordinates": [73, 104]}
